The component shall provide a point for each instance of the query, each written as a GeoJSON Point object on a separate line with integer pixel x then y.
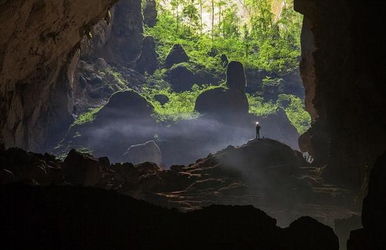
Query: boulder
{"type": "Point", "coordinates": [163, 99]}
{"type": "Point", "coordinates": [82, 169]}
{"type": "Point", "coordinates": [150, 13]}
{"type": "Point", "coordinates": [307, 233]}
{"type": "Point", "coordinates": [277, 126]}
{"type": "Point", "coordinates": [148, 61]}
{"type": "Point", "coordinates": [222, 102]}
{"type": "Point", "coordinates": [146, 152]}
{"type": "Point", "coordinates": [176, 55]}
{"type": "Point", "coordinates": [125, 105]}
{"type": "Point", "coordinates": [180, 78]}
{"type": "Point", "coordinates": [236, 76]}
{"type": "Point", "coordinates": [125, 120]}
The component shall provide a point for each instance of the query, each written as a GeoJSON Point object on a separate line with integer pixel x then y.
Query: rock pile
{"type": "Point", "coordinates": [265, 173]}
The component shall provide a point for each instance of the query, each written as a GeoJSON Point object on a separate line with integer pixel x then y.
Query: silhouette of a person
{"type": "Point", "coordinates": [258, 127]}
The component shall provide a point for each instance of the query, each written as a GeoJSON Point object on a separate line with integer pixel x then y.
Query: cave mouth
{"type": "Point", "coordinates": [180, 93]}
{"type": "Point", "coordinates": [147, 83]}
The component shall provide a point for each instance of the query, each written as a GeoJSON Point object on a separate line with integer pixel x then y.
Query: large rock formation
{"type": "Point", "coordinates": [125, 42]}
{"type": "Point", "coordinates": [150, 13]}
{"type": "Point", "coordinates": [125, 120]}
{"type": "Point", "coordinates": [343, 61]}
{"type": "Point", "coordinates": [226, 104]}
{"type": "Point", "coordinates": [221, 102]}
{"type": "Point", "coordinates": [176, 55]}
{"type": "Point", "coordinates": [38, 53]}
{"type": "Point", "coordinates": [236, 76]}
{"type": "Point", "coordinates": [125, 105]}
{"type": "Point", "coordinates": [180, 78]}
{"type": "Point", "coordinates": [148, 61]}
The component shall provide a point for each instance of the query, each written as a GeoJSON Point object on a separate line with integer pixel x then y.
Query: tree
{"type": "Point", "coordinates": [230, 23]}
{"type": "Point", "coordinates": [261, 18]}
{"type": "Point", "coordinates": [220, 5]}
{"type": "Point", "coordinates": [175, 7]}
{"type": "Point", "coordinates": [191, 15]}
{"type": "Point", "coordinates": [213, 14]}
{"type": "Point", "coordinates": [201, 4]}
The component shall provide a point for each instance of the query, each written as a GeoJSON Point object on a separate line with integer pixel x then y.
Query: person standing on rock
{"type": "Point", "coordinates": [258, 127]}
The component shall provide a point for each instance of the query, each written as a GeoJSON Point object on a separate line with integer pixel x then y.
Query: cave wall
{"type": "Point", "coordinates": [40, 46]}
{"type": "Point", "coordinates": [39, 43]}
{"type": "Point", "coordinates": [343, 69]}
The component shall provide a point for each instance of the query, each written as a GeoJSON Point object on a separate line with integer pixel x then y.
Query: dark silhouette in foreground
{"type": "Point", "coordinates": [86, 218]}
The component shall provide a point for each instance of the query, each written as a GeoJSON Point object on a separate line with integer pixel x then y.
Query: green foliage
{"type": "Point", "coordinates": [260, 41]}
{"type": "Point", "coordinates": [180, 105]}
{"type": "Point", "coordinates": [259, 107]}
{"type": "Point", "coordinates": [87, 117]}
{"type": "Point", "coordinates": [292, 105]}
{"type": "Point", "coordinates": [117, 77]}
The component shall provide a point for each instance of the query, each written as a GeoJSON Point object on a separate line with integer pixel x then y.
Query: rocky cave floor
{"type": "Point", "coordinates": [264, 173]}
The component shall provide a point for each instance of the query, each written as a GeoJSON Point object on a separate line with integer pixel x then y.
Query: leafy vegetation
{"type": "Point", "coordinates": [246, 31]}
{"type": "Point", "coordinates": [292, 105]}
{"type": "Point", "coordinates": [262, 34]}
{"type": "Point", "coordinates": [180, 105]}
{"type": "Point", "coordinates": [87, 116]}
{"type": "Point", "coordinates": [259, 107]}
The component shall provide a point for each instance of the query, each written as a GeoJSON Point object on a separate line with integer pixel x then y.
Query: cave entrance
{"type": "Point", "coordinates": [190, 79]}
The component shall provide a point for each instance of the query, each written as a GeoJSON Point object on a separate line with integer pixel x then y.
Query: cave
{"type": "Point", "coordinates": [62, 66]}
